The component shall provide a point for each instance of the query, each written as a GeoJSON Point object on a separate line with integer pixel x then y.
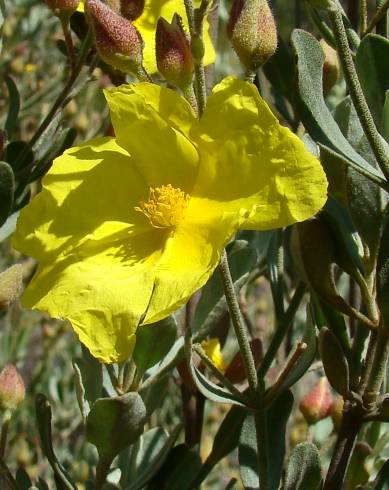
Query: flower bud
{"type": "Point", "coordinates": [174, 57]}
{"type": "Point", "coordinates": [252, 31]}
{"type": "Point", "coordinates": [132, 9]}
{"type": "Point", "coordinates": [63, 7]}
{"type": "Point", "coordinates": [117, 41]}
{"type": "Point", "coordinates": [12, 390]}
{"type": "Point", "coordinates": [10, 285]}
{"type": "Point", "coordinates": [331, 67]}
{"type": "Point", "coordinates": [317, 402]}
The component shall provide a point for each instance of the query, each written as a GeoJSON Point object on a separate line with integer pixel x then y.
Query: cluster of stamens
{"type": "Point", "coordinates": [165, 207]}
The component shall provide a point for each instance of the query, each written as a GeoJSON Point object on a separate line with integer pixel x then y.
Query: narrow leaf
{"type": "Point", "coordinates": [304, 468]}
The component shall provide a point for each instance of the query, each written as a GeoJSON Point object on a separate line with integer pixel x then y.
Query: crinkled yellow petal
{"type": "Point", "coordinates": [252, 164]}
{"type": "Point", "coordinates": [103, 300]}
{"type": "Point", "coordinates": [153, 123]}
{"type": "Point", "coordinates": [189, 257]}
{"type": "Point", "coordinates": [147, 25]}
{"type": "Point", "coordinates": [78, 202]}
{"type": "Point", "coordinates": [95, 250]}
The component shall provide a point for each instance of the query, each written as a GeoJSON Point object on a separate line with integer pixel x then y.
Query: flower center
{"type": "Point", "coordinates": [165, 207]}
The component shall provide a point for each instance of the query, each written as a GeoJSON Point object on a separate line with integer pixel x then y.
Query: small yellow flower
{"type": "Point", "coordinates": [147, 25]}
{"type": "Point", "coordinates": [128, 228]}
{"type": "Point", "coordinates": [212, 349]}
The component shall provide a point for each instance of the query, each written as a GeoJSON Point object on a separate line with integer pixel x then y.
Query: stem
{"type": "Point", "coordinates": [377, 371]}
{"type": "Point", "coordinates": [362, 15]}
{"type": "Point", "coordinates": [238, 323]}
{"type": "Point", "coordinates": [378, 16]}
{"type": "Point", "coordinates": [102, 471]}
{"type": "Point", "coordinates": [249, 76]}
{"type": "Point", "coordinates": [356, 92]}
{"type": "Point", "coordinates": [69, 42]}
{"type": "Point", "coordinates": [348, 432]}
{"type": "Point", "coordinates": [281, 331]}
{"type": "Point", "coordinates": [4, 432]}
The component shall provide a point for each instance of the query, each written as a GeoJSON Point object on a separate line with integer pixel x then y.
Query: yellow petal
{"type": "Point", "coordinates": [77, 204]}
{"type": "Point", "coordinates": [189, 257]}
{"type": "Point", "coordinates": [147, 24]}
{"type": "Point", "coordinates": [101, 298]}
{"type": "Point", "coordinates": [252, 164]}
{"type": "Point", "coordinates": [153, 124]}
{"type": "Point", "coordinates": [212, 349]}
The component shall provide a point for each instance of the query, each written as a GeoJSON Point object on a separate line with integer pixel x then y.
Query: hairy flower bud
{"type": "Point", "coordinates": [12, 390]}
{"type": "Point", "coordinates": [252, 31]}
{"type": "Point", "coordinates": [117, 41]}
{"type": "Point", "coordinates": [10, 285]}
{"type": "Point", "coordinates": [331, 67]}
{"type": "Point", "coordinates": [132, 9]}
{"type": "Point", "coordinates": [317, 402]}
{"type": "Point", "coordinates": [173, 52]}
{"type": "Point", "coordinates": [61, 7]}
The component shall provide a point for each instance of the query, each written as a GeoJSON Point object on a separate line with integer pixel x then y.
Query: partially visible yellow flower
{"type": "Point", "coordinates": [147, 25]}
{"type": "Point", "coordinates": [212, 349]}
{"type": "Point", "coordinates": [128, 228]}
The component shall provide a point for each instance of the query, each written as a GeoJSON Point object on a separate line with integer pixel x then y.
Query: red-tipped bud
{"type": "Point", "coordinates": [252, 31]}
{"type": "Point", "coordinates": [132, 9]}
{"type": "Point", "coordinates": [12, 390]}
{"type": "Point", "coordinates": [174, 57]}
{"type": "Point", "coordinates": [317, 402]}
{"type": "Point", "coordinates": [117, 41]}
{"type": "Point", "coordinates": [331, 67]}
{"type": "Point", "coordinates": [61, 7]}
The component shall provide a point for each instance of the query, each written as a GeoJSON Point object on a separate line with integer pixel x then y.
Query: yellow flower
{"type": "Point", "coordinates": [147, 25]}
{"type": "Point", "coordinates": [212, 349]}
{"type": "Point", "coordinates": [126, 229]}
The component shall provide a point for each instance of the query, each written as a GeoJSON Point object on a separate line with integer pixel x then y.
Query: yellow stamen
{"type": "Point", "coordinates": [165, 207]}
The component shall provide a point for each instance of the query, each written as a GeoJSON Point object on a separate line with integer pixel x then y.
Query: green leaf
{"type": "Point", "coordinates": [13, 152]}
{"type": "Point", "coordinates": [89, 380]}
{"type": "Point", "coordinates": [153, 342]}
{"type": "Point", "coordinates": [7, 188]}
{"type": "Point", "coordinates": [383, 276]}
{"type": "Point", "coordinates": [115, 423]}
{"type": "Point", "coordinates": [280, 71]}
{"type": "Point", "coordinates": [334, 362]}
{"type": "Point", "coordinates": [385, 122]}
{"type": "Point", "coordinates": [154, 448]}
{"type": "Point", "coordinates": [225, 441]}
{"type": "Point", "coordinates": [22, 479]}
{"type": "Point", "coordinates": [153, 394]}
{"type": "Point", "coordinates": [212, 391]}
{"type": "Point", "coordinates": [304, 468]}
{"type": "Point", "coordinates": [382, 480]}
{"type": "Point", "coordinates": [276, 418]}
{"type": "Point", "coordinates": [241, 259]}
{"type": "Point", "coordinates": [313, 111]}
{"type": "Point", "coordinates": [14, 105]}
{"type": "Point", "coordinates": [43, 414]}
{"type": "Point", "coordinates": [178, 471]}
{"type": "Point", "coordinates": [372, 64]}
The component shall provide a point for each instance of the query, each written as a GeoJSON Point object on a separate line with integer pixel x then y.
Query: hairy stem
{"type": "Point", "coordinates": [356, 92]}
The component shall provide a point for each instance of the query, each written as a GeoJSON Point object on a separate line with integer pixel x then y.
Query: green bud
{"type": "Point", "coordinates": [174, 57]}
{"type": "Point", "coordinates": [10, 285]}
{"type": "Point", "coordinates": [117, 41]}
{"type": "Point", "coordinates": [12, 389]}
{"type": "Point", "coordinates": [253, 32]}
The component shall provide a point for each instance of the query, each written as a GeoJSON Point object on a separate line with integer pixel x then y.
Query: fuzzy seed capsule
{"type": "Point", "coordinates": [63, 7]}
{"type": "Point", "coordinates": [317, 402]}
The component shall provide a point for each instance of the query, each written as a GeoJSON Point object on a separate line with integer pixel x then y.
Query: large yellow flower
{"type": "Point", "coordinates": [147, 25]}
{"type": "Point", "coordinates": [126, 229]}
